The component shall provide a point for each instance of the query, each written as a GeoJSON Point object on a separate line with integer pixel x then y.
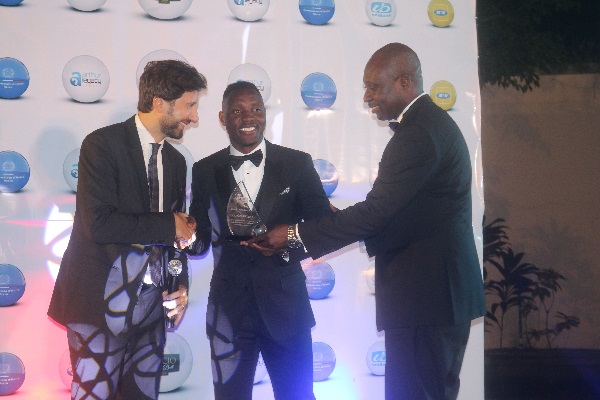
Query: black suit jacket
{"type": "Point", "coordinates": [104, 263]}
{"type": "Point", "coordinates": [290, 192]}
{"type": "Point", "coordinates": [417, 222]}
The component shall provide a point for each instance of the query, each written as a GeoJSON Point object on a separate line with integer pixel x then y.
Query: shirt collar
{"type": "Point", "coordinates": [145, 136]}
{"type": "Point", "coordinates": [407, 107]}
{"type": "Point", "coordinates": [235, 152]}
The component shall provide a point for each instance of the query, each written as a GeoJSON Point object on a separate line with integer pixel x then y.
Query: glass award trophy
{"type": "Point", "coordinates": [242, 218]}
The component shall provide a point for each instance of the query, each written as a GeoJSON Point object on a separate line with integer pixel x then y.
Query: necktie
{"type": "Point", "coordinates": [237, 161]}
{"type": "Point", "coordinates": [155, 258]}
{"type": "Point", "coordinates": [153, 178]}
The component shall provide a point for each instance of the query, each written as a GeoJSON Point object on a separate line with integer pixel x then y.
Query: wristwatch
{"type": "Point", "coordinates": [293, 240]}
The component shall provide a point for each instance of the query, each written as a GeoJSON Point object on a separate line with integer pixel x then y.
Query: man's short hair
{"type": "Point", "coordinates": [168, 80]}
{"type": "Point", "coordinates": [239, 85]}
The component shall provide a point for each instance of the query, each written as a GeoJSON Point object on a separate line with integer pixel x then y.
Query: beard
{"type": "Point", "coordinates": [171, 129]}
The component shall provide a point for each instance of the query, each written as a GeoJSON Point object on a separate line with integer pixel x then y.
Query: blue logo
{"type": "Point", "coordinates": [317, 12]}
{"type": "Point", "coordinates": [12, 373]}
{"type": "Point", "coordinates": [10, 2]}
{"type": "Point", "coordinates": [378, 356]}
{"type": "Point", "coordinates": [443, 95]}
{"type": "Point", "coordinates": [318, 91]}
{"type": "Point", "coordinates": [75, 171]}
{"type": "Point", "coordinates": [239, 2]}
{"type": "Point", "coordinates": [75, 79]}
{"type": "Point", "coordinates": [14, 171]}
{"type": "Point", "coordinates": [328, 175]}
{"type": "Point", "coordinates": [441, 13]}
{"type": "Point", "coordinates": [320, 279]}
{"type": "Point", "coordinates": [323, 361]}
{"type": "Point", "coordinates": [12, 284]}
{"type": "Point", "coordinates": [380, 7]}
{"type": "Point", "coordinates": [88, 79]}
{"type": "Point", "coordinates": [14, 78]}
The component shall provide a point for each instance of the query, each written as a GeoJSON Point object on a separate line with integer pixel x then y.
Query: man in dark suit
{"type": "Point", "coordinates": [256, 303]}
{"type": "Point", "coordinates": [416, 221]}
{"type": "Point", "coordinates": [130, 198]}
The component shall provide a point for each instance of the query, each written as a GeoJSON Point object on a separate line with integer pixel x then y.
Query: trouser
{"type": "Point", "coordinates": [423, 362]}
{"type": "Point", "coordinates": [234, 357]}
{"type": "Point", "coordinates": [126, 366]}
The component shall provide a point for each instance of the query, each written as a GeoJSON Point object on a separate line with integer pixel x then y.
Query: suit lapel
{"type": "Point", "coordinates": [137, 159]}
{"type": "Point", "coordinates": [271, 183]}
{"type": "Point", "coordinates": [169, 203]}
{"type": "Point", "coordinates": [223, 175]}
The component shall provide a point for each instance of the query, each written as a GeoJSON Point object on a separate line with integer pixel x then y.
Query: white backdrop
{"type": "Point", "coordinates": [45, 124]}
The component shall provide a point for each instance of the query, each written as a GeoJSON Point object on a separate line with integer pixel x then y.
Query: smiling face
{"type": "Point", "coordinates": [244, 118]}
{"type": "Point", "coordinates": [392, 79]}
{"type": "Point", "coordinates": [383, 89]}
{"type": "Point", "coordinates": [178, 114]}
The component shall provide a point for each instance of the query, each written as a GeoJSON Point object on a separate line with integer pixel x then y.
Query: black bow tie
{"type": "Point", "coordinates": [394, 125]}
{"type": "Point", "coordinates": [237, 161]}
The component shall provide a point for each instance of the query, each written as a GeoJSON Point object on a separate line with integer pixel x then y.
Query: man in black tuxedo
{"type": "Point", "coordinates": [256, 303]}
{"type": "Point", "coordinates": [130, 200]}
{"type": "Point", "coordinates": [416, 221]}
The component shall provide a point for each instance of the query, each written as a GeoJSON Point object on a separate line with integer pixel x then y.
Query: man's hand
{"type": "Point", "coordinates": [270, 243]}
{"type": "Point", "coordinates": [176, 302]}
{"type": "Point", "coordinates": [185, 227]}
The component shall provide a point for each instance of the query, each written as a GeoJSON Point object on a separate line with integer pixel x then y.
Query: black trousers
{"type": "Point", "coordinates": [423, 362]}
{"type": "Point", "coordinates": [126, 366]}
{"type": "Point", "coordinates": [235, 353]}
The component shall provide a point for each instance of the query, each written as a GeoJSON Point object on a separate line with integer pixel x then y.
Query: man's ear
{"type": "Point", "coordinates": [222, 118]}
{"type": "Point", "coordinates": [158, 104]}
{"type": "Point", "coordinates": [404, 81]}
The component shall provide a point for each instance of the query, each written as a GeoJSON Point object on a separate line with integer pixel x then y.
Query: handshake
{"type": "Point", "coordinates": [275, 241]}
{"type": "Point", "coordinates": [185, 230]}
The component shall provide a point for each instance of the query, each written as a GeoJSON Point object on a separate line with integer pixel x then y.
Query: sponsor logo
{"type": "Point", "coordinates": [171, 363]}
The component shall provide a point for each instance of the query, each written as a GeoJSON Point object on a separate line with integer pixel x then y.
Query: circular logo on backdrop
{"type": "Point", "coordinates": [14, 78]}
{"type": "Point", "coordinates": [443, 94]}
{"type": "Point", "coordinates": [86, 79]}
{"type": "Point", "coordinates": [86, 5]}
{"type": "Point", "coordinates": [10, 2]}
{"type": "Point", "coordinates": [165, 9]}
{"type": "Point", "coordinates": [320, 279]}
{"type": "Point", "coordinates": [376, 358]}
{"type": "Point", "coordinates": [14, 171]}
{"type": "Point", "coordinates": [317, 12]}
{"type": "Point", "coordinates": [440, 12]}
{"type": "Point", "coordinates": [70, 169]}
{"type": "Point", "coordinates": [318, 91]}
{"type": "Point", "coordinates": [248, 10]}
{"type": "Point", "coordinates": [381, 13]}
{"type": "Point", "coordinates": [157, 55]}
{"type": "Point", "coordinates": [177, 363]}
{"type": "Point", "coordinates": [255, 74]}
{"type": "Point", "coordinates": [65, 369]}
{"type": "Point", "coordinates": [12, 373]}
{"type": "Point", "coordinates": [328, 175]}
{"type": "Point", "coordinates": [323, 361]}
{"type": "Point", "coordinates": [12, 284]}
